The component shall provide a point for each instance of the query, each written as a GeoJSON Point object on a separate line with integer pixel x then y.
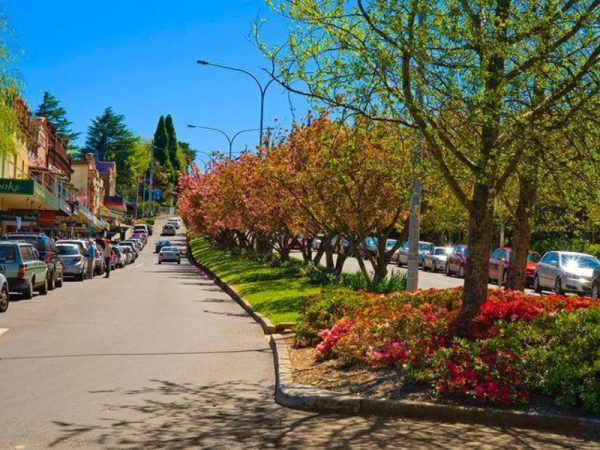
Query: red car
{"type": "Point", "coordinates": [505, 257]}
{"type": "Point", "coordinates": [457, 261]}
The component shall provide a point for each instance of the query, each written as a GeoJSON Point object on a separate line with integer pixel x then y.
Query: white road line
{"type": "Point", "coordinates": [140, 265]}
{"type": "Point", "coordinates": [3, 330]}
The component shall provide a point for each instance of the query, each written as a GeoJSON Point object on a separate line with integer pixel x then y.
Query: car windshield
{"type": "Point", "coordinates": [163, 242]}
{"type": "Point", "coordinates": [580, 262]}
{"type": "Point", "coordinates": [7, 253]}
{"type": "Point", "coordinates": [390, 243]}
{"type": "Point", "coordinates": [67, 250]}
{"type": "Point", "coordinates": [440, 251]}
{"type": "Point", "coordinates": [169, 249]}
{"type": "Point", "coordinates": [424, 247]}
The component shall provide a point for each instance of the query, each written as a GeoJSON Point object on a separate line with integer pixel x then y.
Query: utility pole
{"type": "Point", "coordinates": [150, 193]}
{"type": "Point", "coordinates": [414, 220]}
{"type": "Point", "coordinates": [144, 190]}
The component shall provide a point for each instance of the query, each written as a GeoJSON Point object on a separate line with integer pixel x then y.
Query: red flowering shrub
{"type": "Point", "coordinates": [410, 331]}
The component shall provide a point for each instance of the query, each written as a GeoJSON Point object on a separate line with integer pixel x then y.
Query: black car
{"type": "Point", "coordinates": [48, 253]}
{"type": "Point", "coordinates": [596, 284]}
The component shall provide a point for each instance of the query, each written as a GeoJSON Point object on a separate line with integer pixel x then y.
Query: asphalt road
{"type": "Point", "coordinates": [159, 357]}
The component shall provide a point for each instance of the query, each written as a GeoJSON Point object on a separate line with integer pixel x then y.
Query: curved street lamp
{"type": "Point", "coordinates": [230, 139]}
{"type": "Point", "coordinates": [262, 88]}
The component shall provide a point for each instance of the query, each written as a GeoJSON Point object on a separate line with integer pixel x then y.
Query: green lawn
{"type": "Point", "coordinates": [273, 291]}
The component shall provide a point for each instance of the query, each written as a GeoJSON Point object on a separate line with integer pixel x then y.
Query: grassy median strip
{"type": "Point", "coordinates": [275, 292]}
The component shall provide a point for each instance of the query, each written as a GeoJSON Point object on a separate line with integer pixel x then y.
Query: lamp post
{"type": "Point", "coordinates": [229, 139]}
{"type": "Point", "coordinates": [262, 88]}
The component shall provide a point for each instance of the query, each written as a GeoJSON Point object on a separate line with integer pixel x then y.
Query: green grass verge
{"type": "Point", "coordinates": [275, 292]}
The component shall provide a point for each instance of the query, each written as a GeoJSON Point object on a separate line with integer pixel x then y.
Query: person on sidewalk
{"type": "Point", "coordinates": [107, 258]}
{"type": "Point", "coordinates": [91, 256]}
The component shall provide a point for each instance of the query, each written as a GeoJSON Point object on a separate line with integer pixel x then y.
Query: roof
{"type": "Point", "coordinates": [105, 166]}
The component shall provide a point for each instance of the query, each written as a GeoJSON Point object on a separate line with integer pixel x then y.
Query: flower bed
{"type": "Point", "coordinates": [518, 347]}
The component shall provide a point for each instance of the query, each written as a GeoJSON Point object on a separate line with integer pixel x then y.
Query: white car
{"type": "Point", "coordinates": [169, 253]}
{"type": "Point", "coordinates": [169, 230]}
{"type": "Point", "coordinates": [128, 254]}
{"type": "Point", "coordinates": [436, 260]}
{"type": "Point", "coordinates": [175, 221]}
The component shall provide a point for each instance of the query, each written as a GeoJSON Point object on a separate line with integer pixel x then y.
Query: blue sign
{"type": "Point", "coordinates": [156, 194]}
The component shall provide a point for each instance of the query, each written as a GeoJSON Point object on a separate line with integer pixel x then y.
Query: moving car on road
{"type": "Point", "coordinates": [169, 254]}
{"type": "Point", "coordinates": [160, 244]}
{"type": "Point", "coordinates": [175, 221]}
{"type": "Point", "coordinates": [48, 253]}
{"type": "Point", "coordinates": [23, 269]}
{"type": "Point", "coordinates": [436, 260]}
{"type": "Point", "coordinates": [565, 272]}
{"type": "Point", "coordinates": [456, 262]}
{"type": "Point", "coordinates": [168, 230]}
{"type": "Point", "coordinates": [74, 261]}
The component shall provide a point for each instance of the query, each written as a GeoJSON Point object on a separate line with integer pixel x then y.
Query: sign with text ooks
{"type": "Point", "coordinates": [10, 186]}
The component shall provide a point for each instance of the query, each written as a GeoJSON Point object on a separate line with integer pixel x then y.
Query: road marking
{"type": "Point", "coordinates": [3, 330]}
{"type": "Point", "coordinates": [140, 265]}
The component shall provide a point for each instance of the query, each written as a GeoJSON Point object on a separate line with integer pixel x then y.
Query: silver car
{"type": "Point", "coordinates": [436, 260]}
{"type": "Point", "coordinates": [565, 272]}
{"type": "Point", "coordinates": [169, 254]}
{"type": "Point", "coordinates": [75, 263]}
{"type": "Point", "coordinates": [425, 248]}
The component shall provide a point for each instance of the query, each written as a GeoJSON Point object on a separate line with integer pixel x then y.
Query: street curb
{"type": "Point", "coordinates": [267, 326]}
{"type": "Point", "coordinates": [300, 396]}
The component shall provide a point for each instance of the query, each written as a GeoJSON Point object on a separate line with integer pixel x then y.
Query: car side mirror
{"type": "Point", "coordinates": [553, 263]}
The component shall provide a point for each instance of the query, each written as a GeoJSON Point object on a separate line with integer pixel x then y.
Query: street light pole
{"type": "Point", "coordinates": [230, 140]}
{"type": "Point", "coordinates": [262, 88]}
{"type": "Point", "coordinates": [150, 193]}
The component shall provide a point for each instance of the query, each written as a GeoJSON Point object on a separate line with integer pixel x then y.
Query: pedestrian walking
{"type": "Point", "coordinates": [107, 258]}
{"type": "Point", "coordinates": [91, 257]}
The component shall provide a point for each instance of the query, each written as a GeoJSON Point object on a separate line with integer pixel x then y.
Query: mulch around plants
{"type": "Point", "coordinates": [334, 376]}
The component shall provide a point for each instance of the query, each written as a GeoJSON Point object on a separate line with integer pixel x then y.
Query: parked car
{"type": "Point", "coordinates": [48, 253]}
{"type": "Point", "coordinates": [296, 242]}
{"type": "Point", "coordinates": [425, 248]}
{"type": "Point", "coordinates": [141, 228]}
{"type": "Point", "coordinates": [169, 254]}
{"type": "Point", "coordinates": [340, 244]}
{"type": "Point", "coordinates": [565, 272]}
{"type": "Point", "coordinates": [161, 244]}
{"type": "Point", "coordinates": [132, 246]}
{"type": "Point", "coordinates": [137, 243]}
{"type": "Point", "coordinates": [4, 293]}
{"type": "Point", "coordinates": [596, 283]}
{"type": "Point", "coordinates": [456, 263]}
{"type": "Point", "coordinates": [84, 245]}
{"type": "Point", "coordinates": [119, 257]}
{"type": "Point", "coordinates": [168, 230]}
{"type": "Point", "coordinates": [140, 235]}
{"type": "Point", "coordinates": [505, 257]}
{"type": "Point", "coordinates": [436, 260]}
{"type": "Point", "coordinates": [128, 255]}
{"type": "Point", "coordinates": [23, 269]}
{"type": "Point", "coordinates": [74, 261]}
{"type": "Point", "coordinates": [369, 246]}
{"type": "Point", "coordinates": [316, 243]}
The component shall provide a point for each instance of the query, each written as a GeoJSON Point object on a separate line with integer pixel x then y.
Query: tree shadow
{"type": "Point", "coordinates": [237, 414]}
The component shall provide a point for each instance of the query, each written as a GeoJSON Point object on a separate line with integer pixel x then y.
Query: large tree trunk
{"type": "Point", "coordinates": [522, 230]}
{"type": "Point", "coordinates": [479, 242]}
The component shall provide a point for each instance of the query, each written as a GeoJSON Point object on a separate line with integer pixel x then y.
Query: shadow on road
{"type": "Point", "coordinates": [236, 414]}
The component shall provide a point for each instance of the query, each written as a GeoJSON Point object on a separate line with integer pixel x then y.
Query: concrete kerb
{"type": "Point", "coordinates": [267, 326]}
{"type": "Point", "coordinates": [298, 396]}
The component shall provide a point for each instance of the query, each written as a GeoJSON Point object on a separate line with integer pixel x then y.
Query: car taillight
{"type": "Point", "coordinates": [77, 259]}
{"type": "Point", "coordinates": [21, 271]}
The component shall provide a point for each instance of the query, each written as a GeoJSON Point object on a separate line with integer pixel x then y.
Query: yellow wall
{"type": "Point", "coordinates": [17, 164]}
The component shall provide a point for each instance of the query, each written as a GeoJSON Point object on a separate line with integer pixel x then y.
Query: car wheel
{"type": "Point", "coordinates": [81, 276]}
{"type": "Point", "coordinates": [558, 290]}
{"type": "Point", "coordinates": [159, 262]}
{"type": "Point", "coordinates": [59, 282]}
{"type": "Point", "coordinates": [28, 292]}
{"type": "Point", "coordinates": [461, 271]}
{"type": "Point", "coordinates": [178, 261]}
{"type": "Point", "coordinates": [434, 268]}
{"type": "Point", "coordinates": [537, 287]}
{"type": "Point", "coordinates": [425, 268]}
{"type": "Point", "coordinates": [43, 289]}
{"type": "Point", "coordinates": [595, 291]}
{"type": "Point", "coordinates": [448, 271]}
{"type": "Point", "coordinates": [51, 282]}
{"type": "Point", "coordinates": [4, 300]}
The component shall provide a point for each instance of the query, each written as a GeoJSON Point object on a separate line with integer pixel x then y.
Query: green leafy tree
{"type": "Point", "coordinates": [188, 153]}
{"type": "Point", "coordinates": [51, 109]}
{"type": "Point", "coordinates": [161, 146]}
{"type": "Point", "coordinates": [473, 77]}
{"type": "Point", "coordinates": [109, 139]}
{"type": "Point", "coordinates": [176, 155]}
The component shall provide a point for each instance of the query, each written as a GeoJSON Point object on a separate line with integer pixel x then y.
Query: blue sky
{"type": "Point", "coordinates": [138, 56]}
